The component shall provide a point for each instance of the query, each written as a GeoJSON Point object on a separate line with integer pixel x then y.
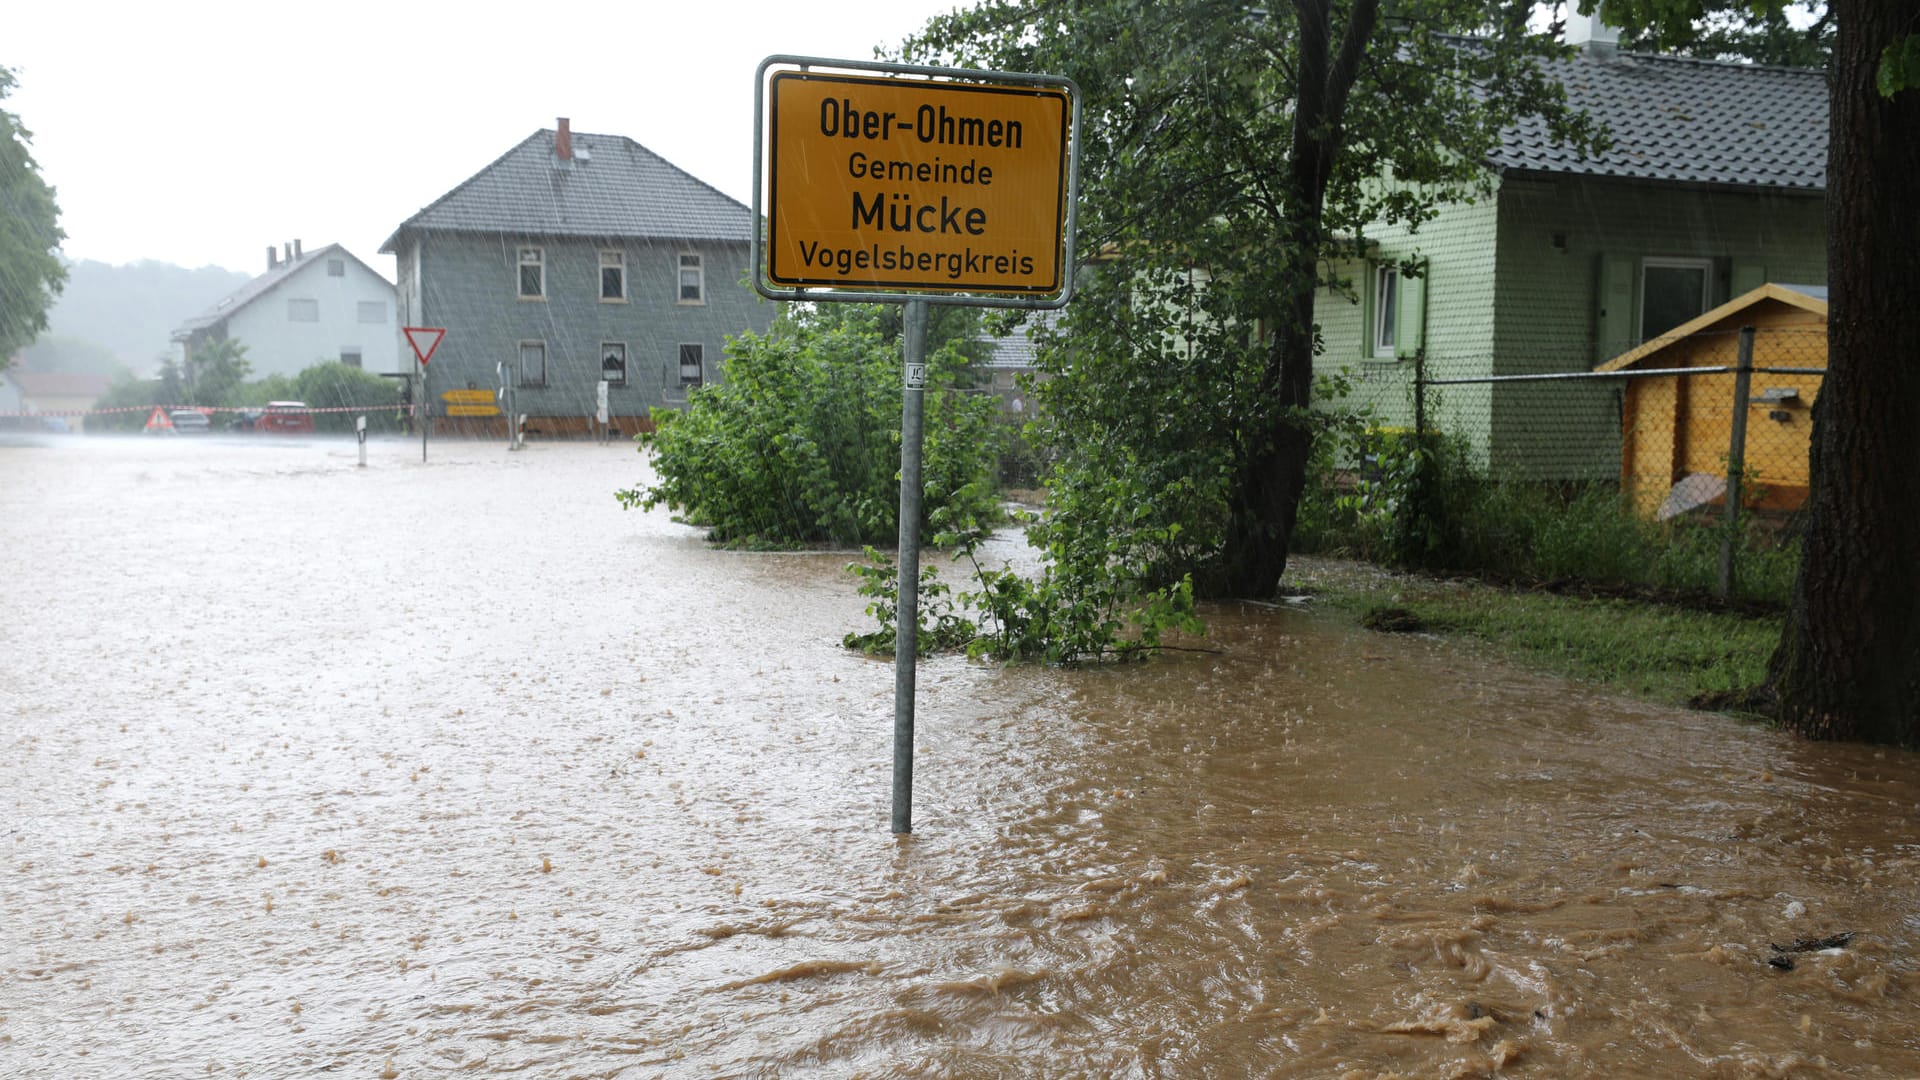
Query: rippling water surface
{"type": "Point", "coordinates": [458, 769]}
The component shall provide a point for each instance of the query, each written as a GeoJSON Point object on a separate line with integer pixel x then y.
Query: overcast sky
{"type": "Point", "coordinates": [199, 132]}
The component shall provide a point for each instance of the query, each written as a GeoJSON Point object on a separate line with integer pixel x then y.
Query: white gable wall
{"type": "Point", "coordinates": [279, 344]}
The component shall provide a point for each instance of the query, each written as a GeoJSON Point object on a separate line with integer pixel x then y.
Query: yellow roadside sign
{"type": "Point", "coordinates": [890, 183]}
{"type": "Point", "coordinates": [470, 403]}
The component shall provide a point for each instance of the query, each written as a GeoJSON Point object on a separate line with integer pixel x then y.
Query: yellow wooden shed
{"type": "Point", "coordinates": [1676, 429]}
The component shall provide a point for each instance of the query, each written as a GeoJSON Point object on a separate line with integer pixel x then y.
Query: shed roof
{"type": "Point", "coordinates": [1683, 120]}
{"type": "Point", "coordinates": [1808, 298]}
{"type": "Point", "coordinates": [613, 187]}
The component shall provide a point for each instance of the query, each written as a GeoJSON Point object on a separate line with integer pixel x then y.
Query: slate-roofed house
{"type": "Point", "coordinates": [1714, 183]}
{"type": "Point", "coordinates": [308, 308]}
{"type": "Point", "coordinates": [574, 259]}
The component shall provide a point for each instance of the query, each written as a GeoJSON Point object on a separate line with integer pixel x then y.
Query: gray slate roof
{"type": "Point", "coordinates": [258, 287]}
{"type": "Point", "coordinates": [614, 187]}
{"type": "Point", "coordinates": [1688, 121]}
{"type": "Point", "coordinates": [1017, 351]}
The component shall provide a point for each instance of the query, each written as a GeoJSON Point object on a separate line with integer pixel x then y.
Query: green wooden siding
{"type": "Point", "coordinates": [1544, 276]}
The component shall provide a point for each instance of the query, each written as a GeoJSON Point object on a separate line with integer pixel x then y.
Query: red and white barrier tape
{"type": "Point", "coordinates": [209, 409]}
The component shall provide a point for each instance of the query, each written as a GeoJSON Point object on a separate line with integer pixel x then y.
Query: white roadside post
{"type": "Point", "coordinates": [912, 185]}
{"type": "Point", "coordinates": [360, 431]}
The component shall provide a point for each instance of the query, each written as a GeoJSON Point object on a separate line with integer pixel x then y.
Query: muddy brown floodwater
{"type": "Point", "coordinates": [457, 769]}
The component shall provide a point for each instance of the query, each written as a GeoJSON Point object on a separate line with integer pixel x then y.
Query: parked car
{"type": "Point", "coordinates": [286, 417]}
{"type": "Point", "coordinates": [245, 419]}
{"type": "Point", "coordinates": [189, 421]}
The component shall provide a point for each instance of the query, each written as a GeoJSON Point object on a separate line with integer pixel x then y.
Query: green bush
{"type": "Point", "coordinates": [1422, 503]}
{"type": "Point", "coordinates": [333, 385]}
{"type": "Point", "coordinates": [799, 442]}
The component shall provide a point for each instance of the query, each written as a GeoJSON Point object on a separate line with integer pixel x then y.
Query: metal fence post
{"type": "Point", "coordinates": [1420, 394]}
{"type": "Point", "coordinates": [906, 632]}
{"type": "Point", "coordinates": [1736, 457]}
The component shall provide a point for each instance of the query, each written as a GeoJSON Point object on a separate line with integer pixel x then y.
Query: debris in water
{"type": "Point", "coordinates": [1833, 941]}
{"type": "Point", "coordinates": [546, 865]}
{"type": "Point", "coordinates": [1780, 963]}
{"type": "Point", "coordinates": [1392, 620]}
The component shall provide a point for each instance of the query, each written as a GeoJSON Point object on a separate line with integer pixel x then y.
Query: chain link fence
{"type": "Point", "coordinates": [1709, 428]}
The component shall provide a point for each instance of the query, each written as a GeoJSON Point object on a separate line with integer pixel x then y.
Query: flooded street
{"type": "Point", "coordinates": [458, 769]}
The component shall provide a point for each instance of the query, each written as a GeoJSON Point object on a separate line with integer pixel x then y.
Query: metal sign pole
{"type": "Point", "coordinates": [906, 634]}
{"type": "Point", "coordinates": [421, 405]}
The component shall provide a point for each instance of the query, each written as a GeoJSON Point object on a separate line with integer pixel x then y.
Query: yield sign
{"type": "Point", "coordinates": [424, 340]}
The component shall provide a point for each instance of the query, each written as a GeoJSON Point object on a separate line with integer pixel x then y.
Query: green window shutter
{"type": "Point", "coordinates": [1747, 277]}
{"type": "Point", "coordinates": [1613, 308]}
{"type": "Point", "coordinates": [1410, 326]}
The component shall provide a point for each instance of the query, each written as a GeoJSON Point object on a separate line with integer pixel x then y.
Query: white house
{"type": "Point", "coordinates": [310, 307]}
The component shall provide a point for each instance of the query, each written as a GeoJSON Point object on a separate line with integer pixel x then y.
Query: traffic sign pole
{"type": "Point", "coordinates": [906, 626]}
{"type": "Point", "coordinates": [424, 340]}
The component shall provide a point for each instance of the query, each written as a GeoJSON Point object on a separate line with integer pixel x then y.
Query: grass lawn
{"type": "Point", "coordinates": [1657, 651]}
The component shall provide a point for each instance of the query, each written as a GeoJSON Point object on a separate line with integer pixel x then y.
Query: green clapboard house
{"type": "Point", "coordinates": [1714, 184]}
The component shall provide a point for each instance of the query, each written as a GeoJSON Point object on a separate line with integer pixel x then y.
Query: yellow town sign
{"type": "Point", "coordinates": [886, 183]}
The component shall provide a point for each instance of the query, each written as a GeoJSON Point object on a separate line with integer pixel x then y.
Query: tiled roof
{"type": "Point", "coordinates": [1687, 121]}
{"type": "Point", "coordinates": [1017, 350]}
{"type": "Point", "coordinates": [614, 187]}
{"type": "Point", "coordinates": [258, 287]}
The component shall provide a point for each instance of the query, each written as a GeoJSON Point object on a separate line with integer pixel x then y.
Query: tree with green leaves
{"type": "Point", "coordinates": [799, 442]}
{"type": "Point", "coordinates": [1788, 35]}
{"type": "Point", "coordinates": [1848, 666]}
{"type": "Point", "coordinates": [1247, 147]}
{"type": "Point", "coordinates": [215, 370]}
{"type": "Point", "coordinates": [30, 269]}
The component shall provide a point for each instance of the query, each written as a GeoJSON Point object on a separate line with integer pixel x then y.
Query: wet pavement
{"type": "Point", "coordinates": [460, 769]}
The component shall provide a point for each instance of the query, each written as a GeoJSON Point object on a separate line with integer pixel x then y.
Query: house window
{"type": "Point", "coordinates": [1386, 311]}
{"type": "Point", "coordinates": [533, 274]}
{"type": "Point", "coordinates": [693, 280]}
{"type": "Point", "coordinates": [692, 365]}
{"type": "Point", "coordinates": [613, 276]}
{"type": "Point", "coordinates": [613, 363]}
{"type": "Point", "coordinates": [533, 363]}
{"type": "Point", "coordinates": [1672, 291]}
{"type": "Point", "coordinates": [336, 268]}
{"type": "Point", "coordinates": [350, 355]}
{"type": "Point", "coordinates": [303, 310]}
{"type": "Point", "coordinates": [373, 311]}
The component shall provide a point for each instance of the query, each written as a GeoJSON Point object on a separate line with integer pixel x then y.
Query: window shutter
{"type": "Point", "coordinates": [1613, 308]}
{"type": "Point", "coordinates": [1410, 326]}
{"type": "Point", "coordinates": [1747, 277]}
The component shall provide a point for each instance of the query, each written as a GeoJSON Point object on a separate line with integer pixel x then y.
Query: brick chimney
{"type": "Point", "coordinates": [563, 141]}
{"type": "Point", "coordinates": [296, 249]}
{"type": "Point", "coordinates": [273, 257]}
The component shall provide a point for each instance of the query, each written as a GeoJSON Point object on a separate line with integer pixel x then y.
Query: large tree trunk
{"type": "Point", "coordinates": [1848, 666]}
{"type": "Point", "coordinates": [1273, 474]}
